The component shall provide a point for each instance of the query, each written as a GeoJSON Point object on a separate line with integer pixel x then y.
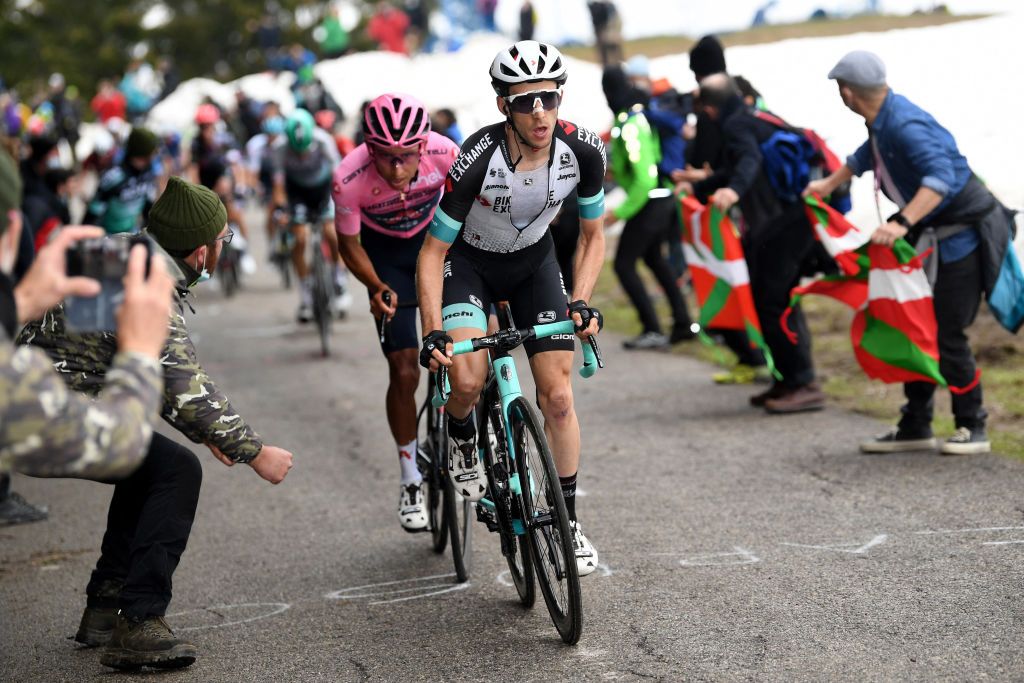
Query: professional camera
{"type": "Point", "coordinates": [104, 259]}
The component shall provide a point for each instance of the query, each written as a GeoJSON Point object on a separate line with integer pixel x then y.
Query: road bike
{"type": "Point", "coordinates": [449, 515]}
{"type": "Point", "coordinates": [524, 503]}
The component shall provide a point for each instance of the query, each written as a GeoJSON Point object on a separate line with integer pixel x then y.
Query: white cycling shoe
{"type": "Point", "coordinates": [586, 553]}
{"type": "Point", "coordinates": [412, 510]}
{"type": "Point", "coordinates": [466, 470]}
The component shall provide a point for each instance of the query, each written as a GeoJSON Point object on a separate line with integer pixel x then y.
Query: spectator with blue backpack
{"type": "Point", "coordinates": [778, 241]}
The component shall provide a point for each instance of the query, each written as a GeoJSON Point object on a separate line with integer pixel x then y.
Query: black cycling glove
{"type": "Point", "coordinates": [437, 339]}
{"type": "Point", "coordinates": [586, 313]}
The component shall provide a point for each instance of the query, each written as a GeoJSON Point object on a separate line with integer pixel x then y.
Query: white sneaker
{"type": "Point", "coordinates": [466, 470]}
{"type": "Point", "coordinates": [247, 263]}
{"type": "Point", "coordinates": [305, 314]}
{"type": "Point", "coordinates": [341, 304]}
{"type": "Point", "coordinates": [586, 553]}
{"type": "Point", "coordinates": [412, 512]}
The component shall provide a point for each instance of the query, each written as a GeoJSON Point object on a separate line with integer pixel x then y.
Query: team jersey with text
{"type": "Point", "coordinates": [362, 197]}
{"type": "Point", "coordinates": [496, 209]}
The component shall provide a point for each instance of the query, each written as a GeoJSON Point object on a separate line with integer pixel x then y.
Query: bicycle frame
{"type": "Point", "coordinates": [504, 375]}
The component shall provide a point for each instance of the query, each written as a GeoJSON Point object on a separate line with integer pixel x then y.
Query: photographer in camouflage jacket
{"type": "Point", "coordinates": [152, 511]}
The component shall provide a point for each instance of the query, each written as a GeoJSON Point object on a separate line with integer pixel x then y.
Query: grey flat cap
{"type": "Point", "coordinates": [860, 67]}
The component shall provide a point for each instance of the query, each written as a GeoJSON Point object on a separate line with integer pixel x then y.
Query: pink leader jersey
{"type": "Point", "coordinates": [361, 196]}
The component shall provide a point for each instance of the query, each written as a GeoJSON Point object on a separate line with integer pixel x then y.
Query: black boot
{"type": "Point", "coordinates": [149, 642]}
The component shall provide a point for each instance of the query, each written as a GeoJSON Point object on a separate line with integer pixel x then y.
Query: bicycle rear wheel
{"type": "Point", "coordinates": [322, 288]}
{"type": "Point", "coordinates": [433, 477]}
{"type": "Point", "coordinates": [548, 528]}
{"type": "Point", "coordinates": [518, 555]}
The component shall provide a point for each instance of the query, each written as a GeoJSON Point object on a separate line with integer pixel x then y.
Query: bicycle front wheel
{"type": "Point", "coordinates": [548, 522]}
{"type": "Point", "coordinates": [434, 444]}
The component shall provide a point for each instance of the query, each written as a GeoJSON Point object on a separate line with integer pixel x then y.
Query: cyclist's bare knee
{"type": "Point", "coordinates": [405, 370]}
{"type": "Point", "coordinates": [556, 403]}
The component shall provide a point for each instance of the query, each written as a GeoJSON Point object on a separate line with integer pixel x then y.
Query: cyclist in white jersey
{"type": "Point", "coordinates": [489, 241]}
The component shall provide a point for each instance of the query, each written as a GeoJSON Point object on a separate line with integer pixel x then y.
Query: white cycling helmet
{"type": "Point", "coordinates": [527, 62]}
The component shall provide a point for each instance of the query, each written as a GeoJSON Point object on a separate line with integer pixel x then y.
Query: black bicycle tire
{"type": "Point", "coordinates": [460, 544]}
{"type": "Point", "coordinates": [437, 437]}
{"type": "Point", "coordinates": [522, 577]}
{"type": "Point", "coordinates": [322, 302]}
{"type": "Point", "coordinates": [568, 622]}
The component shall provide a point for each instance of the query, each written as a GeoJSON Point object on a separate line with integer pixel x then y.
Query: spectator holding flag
{"type": "Point", "coordinates": [942, 207]}
{"type": "Point", "coordinates": [779, 244]}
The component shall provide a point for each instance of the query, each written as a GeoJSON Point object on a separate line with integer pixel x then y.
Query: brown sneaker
{"type": "Point", "coordinates": [774, 391]}
{"type": "Point", "coordinates": [149, 642]}
{"type": "Point", "coordinates": [96, 626]}
{"type": "Point", "coordinates": [802, 399]}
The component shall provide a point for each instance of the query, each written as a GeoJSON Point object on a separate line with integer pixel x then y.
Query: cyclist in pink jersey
{"type": "Point", "coordinates": [385, 192]}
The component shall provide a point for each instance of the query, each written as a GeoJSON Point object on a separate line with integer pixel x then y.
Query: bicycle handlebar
{"type": "Point", "coordinates": [509, 339]}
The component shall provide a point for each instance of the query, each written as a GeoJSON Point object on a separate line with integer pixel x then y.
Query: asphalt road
{"type": "Point", "coordinates": [734, 545]}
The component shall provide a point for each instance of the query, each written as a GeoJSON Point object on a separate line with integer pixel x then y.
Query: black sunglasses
{"type": "Point", "coordinates": [527, 102]}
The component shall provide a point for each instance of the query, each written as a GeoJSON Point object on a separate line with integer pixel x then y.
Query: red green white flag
{"type": "Point", "coordinates": [840, 237]}
{"type": "Point", "coordinates": [718, 270]}
{"type": "Point", "coordinates": [894, 332]}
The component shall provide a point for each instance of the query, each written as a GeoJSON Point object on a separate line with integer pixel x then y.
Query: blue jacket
{"type": "Point", "coordinates": [918, 152]}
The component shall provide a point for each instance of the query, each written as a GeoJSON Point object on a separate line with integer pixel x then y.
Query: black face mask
{"type": "Point", "coordinates": [8, 311]}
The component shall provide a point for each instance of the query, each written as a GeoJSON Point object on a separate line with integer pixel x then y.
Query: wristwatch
{"type": "Point", "coordinates": [901, 219]}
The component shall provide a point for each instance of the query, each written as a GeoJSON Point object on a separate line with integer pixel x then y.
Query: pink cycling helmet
{"type": "Point", "coordinates": [394, 120]}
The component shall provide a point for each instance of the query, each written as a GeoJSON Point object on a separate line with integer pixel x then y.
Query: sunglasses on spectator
{"type": "Point", "coordinates": [528, 102]}
{"type": "Point", "coordinates": [401, 158]}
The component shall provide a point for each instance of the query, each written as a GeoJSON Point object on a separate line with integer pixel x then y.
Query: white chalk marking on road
{"type": "Point", "coordinates": [742, 555]}
{"type": "Point", "coordinates": [505, 579]}
{"type": "Point", "coordinates": [338, 595]}
{"type": "Point", "coordinates": [853, 548]}
{"type": "Point", "coordinates": [276, 608]}
{"type": "Point", "coordinates": [970, 531]}
{"type": "Point", "coordinates": [1002, 542]}
{"type": "Point", "coordinates": [450, 589]}
{"type": "Point", "coordinates": [439, 586]}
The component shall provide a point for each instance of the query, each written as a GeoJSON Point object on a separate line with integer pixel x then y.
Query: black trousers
{"type": "Point", "coordinates": [778, 254]}
{"type": "Point", "coordinates": [645, 236]}
{"type": "Point", "coordinates": [957, 297]}
{"type": "Point", "coordinates": [148, 526]}
{"type": "Point", "coordinates": [738, 342]}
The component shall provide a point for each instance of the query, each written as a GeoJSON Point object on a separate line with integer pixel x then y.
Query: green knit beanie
{"type": "Point", "coordinates": [141, 142]}
{"type": "Point", "coordinates": [186, 216]}
{"type": "Point", "coordinates": [10, 188]}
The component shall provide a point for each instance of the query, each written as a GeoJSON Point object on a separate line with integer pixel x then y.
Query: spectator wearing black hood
{"type": "Point", "coordinates": [649, 211]}
{"type": "Point", "coordinates": [704, 153]}
{"type": "Point", "coordinates": [779, 243]}
{"type": "Point", "coordinates": [46, 208]}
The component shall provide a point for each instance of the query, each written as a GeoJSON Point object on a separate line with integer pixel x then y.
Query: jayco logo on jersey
{"type": "Point", "coordinates": [546, 317]}
{"type": "Point", "coordinates": [502, 205]}
{"type": "Point", "coordinates": [566, 176]}
{"type": "Point", "coordinates": [466, 159]}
